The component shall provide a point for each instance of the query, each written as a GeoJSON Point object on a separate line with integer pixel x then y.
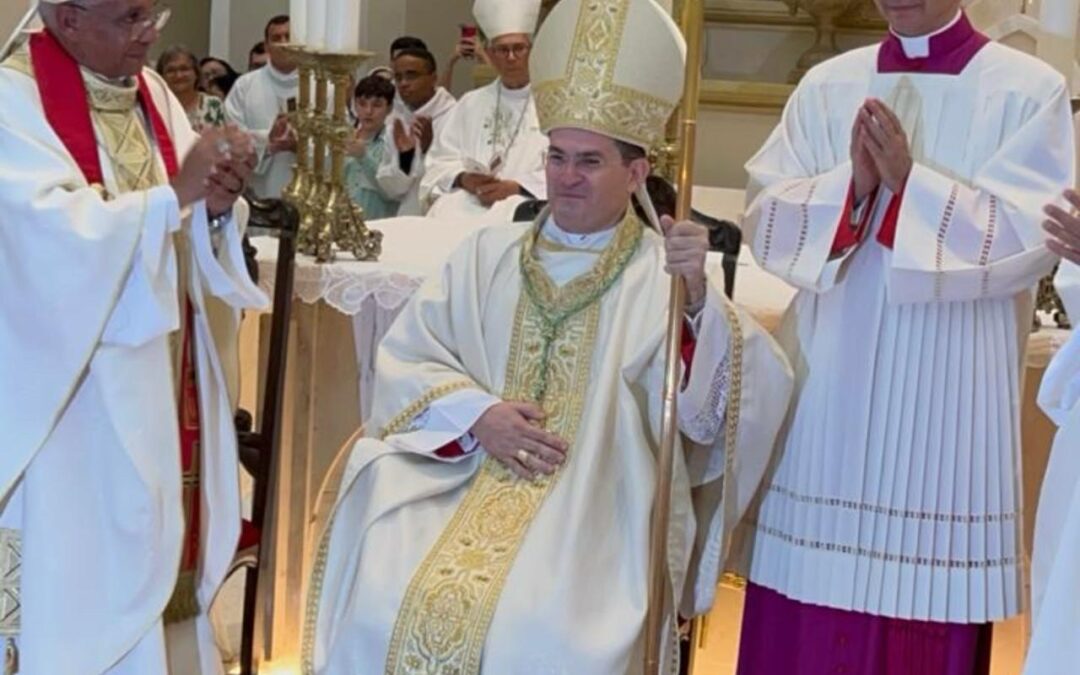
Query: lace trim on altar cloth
{"type": "Point", "coordinates": [343, 287]}
{"type": "Point", "coordinates": [706, 423]}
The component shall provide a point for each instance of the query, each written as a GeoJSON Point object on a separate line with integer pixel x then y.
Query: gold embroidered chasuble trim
{"type": "Point", "coordinates": [451, 600]}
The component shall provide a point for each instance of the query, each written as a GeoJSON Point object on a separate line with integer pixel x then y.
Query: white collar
{"type": "Point", "coordinates": [284, 79]}
{"type": "Point", "coordinates": [592, 241]}
{"type": "Point", "coordinates": [918, 47]}
{"type": "Point", "coordinates": [514, 94]}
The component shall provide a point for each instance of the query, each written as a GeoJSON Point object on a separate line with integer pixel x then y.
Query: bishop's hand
{"type": "Point", "coordinates": [686, 244]}
{"type": "Point", "coordinates": [1064, 228]}
{"type": "Point", "coordinates": [511, 433]}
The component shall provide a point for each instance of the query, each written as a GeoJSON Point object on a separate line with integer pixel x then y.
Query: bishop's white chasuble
{"type": "Point", "coordinates": [437, 563]}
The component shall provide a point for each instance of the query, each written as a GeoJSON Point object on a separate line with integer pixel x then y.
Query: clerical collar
{"type": "Point", "coordinates": [519, 93]}
{"type": "Point", "coordinates": [946, 51]}
{"type": "Point", "coordinates": [108, 94]}
{"type": "Point", "coordinates": [592, 241]}
{"type": "Point", "coordinates": [287, 79]}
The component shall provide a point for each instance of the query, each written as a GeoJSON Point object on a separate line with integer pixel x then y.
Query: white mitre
{"type": "Point", "coordinates": [614, 67]}
{"type": "Point", "coordinates": [506, 17]}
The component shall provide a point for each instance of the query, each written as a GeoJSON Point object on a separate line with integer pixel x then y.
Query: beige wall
{"type": "Point", "coordinates": [727, 137]}
{"type": "Point", "coordinates": [436, 22]}
{"type": "Point", "coordinates": [189, 26]}
{"type": "Point", "coordinates": [11, 11]}
{"type": "Point", "coordinates": [247, 22]}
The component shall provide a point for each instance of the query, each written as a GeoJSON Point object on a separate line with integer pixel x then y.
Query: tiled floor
{"type": "Point", "coordinates": [718, 657]}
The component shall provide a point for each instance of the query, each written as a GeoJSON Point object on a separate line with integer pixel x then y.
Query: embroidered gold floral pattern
{"type": "Point", "coordinates": [450, 602]}
{"type": "Point", "coordinates": [587, 96]}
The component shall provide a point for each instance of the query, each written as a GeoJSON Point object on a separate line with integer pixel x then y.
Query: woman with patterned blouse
{"type": "Point", "coordinates": [180, 69]}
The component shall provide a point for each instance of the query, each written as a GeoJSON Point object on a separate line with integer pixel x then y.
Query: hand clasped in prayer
{"type": "Point", "coordinates": [879, 150]}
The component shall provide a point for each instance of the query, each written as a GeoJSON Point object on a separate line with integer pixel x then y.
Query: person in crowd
{"type": "Point", "coordinates": [372, 99]}
{"type": "Point", "coordinates": [180, 69]}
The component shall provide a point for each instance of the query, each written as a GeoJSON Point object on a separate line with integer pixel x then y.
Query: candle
{"type": "Point", "coordinates": [1058, 17]}
{"type": "Point", "coordinates": [298, 21]}
{"type": "Point", "coordinates": [343, 25]}
{"type": "Point", "coordinates": [316, 23]}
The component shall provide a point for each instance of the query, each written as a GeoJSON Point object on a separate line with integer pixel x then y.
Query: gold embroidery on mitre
{"type": "Point", "coordinates": [450, 602]}
{"type": "Point", "coordinates": [587, 96]}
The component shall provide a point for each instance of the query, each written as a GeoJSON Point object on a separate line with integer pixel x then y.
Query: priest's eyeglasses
{"type": "Point", "coordinates": [137, 21]}
{"type": "Point", "coordinates": [518, 50]}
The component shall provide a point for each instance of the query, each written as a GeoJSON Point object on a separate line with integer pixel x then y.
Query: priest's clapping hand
{"type": "Point", "coordinates": [192, 182]}
{"type": "Point", "coordinates": [424, 132]}
{"type": "Point", "coordinates": [887, 143]}
{"type": "Point", "coordinates": [687, 244]}
{"type": "Point", "coordinates": [230, 176]}
{"type": "Point", "coordinates": [1064, 228]}
{"type": "Point", "coordinates": [511, 433]}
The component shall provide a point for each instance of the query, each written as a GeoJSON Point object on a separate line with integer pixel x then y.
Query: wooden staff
{"type": "Point", "coordinates": [692, 20]}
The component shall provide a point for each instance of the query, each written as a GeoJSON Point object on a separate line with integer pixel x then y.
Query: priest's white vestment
{"type": "Point", "coordinates": [1055, 571]}
{"type": "Point", "coordinates": [404, 573]}
{"type": "Point", "coordinates": [253, 104]}
{"type": "Point", "coordinates": [396, 182]}
{"type": "Point", "coordinates": [489, 126]}
{"type": "Point", "coordinates": [90, 473]}
{"type": "Point", "coordinates": [897, 490]}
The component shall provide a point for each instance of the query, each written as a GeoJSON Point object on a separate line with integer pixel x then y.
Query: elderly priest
{"type": "Point", "coordinates": [496, 516]}
{"type": "Point", "coordinates": [118, 227]}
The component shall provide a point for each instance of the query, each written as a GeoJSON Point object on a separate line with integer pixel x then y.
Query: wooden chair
{"type": "Point", "coordinates": [258, 449]}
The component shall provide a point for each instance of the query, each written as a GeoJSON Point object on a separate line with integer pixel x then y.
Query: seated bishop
{"type": "Point", "coordinates": [495, 517]}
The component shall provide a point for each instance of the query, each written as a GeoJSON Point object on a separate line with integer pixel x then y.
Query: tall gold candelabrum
{"type": "Point", "coordinates": [329, 218]}
{"type": "Point", "coordinates": [296, 192]}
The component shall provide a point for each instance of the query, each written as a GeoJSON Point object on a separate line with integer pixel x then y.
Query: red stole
{"type": "Point", "coordinates": [60, 84]}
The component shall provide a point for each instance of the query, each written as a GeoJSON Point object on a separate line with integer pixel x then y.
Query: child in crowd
{"type": "Point", "coordinates": [372, 101]}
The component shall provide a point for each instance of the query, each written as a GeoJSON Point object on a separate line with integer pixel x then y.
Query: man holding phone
{"type": "Point", "coordinates": [259, 103]}
{"type": "Point", "coordinates": [489, 155]}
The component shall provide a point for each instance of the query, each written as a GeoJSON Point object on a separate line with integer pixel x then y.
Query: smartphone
{"type": "Point", "coordinates": [290, 105]}
{"type": "Point", "coordinates": [468, 32]}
